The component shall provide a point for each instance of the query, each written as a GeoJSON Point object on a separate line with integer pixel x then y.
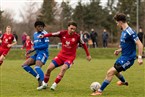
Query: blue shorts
{"type": "Point", "coordinates": [125, 64]}
{"type": "Point", "coordinates": [40, 56]}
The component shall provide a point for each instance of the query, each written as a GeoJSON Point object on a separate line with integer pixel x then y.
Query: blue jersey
{"type": "Point", "coordinates": [41, 47]}
{"type": "Point", "coordinates": [127, 43]}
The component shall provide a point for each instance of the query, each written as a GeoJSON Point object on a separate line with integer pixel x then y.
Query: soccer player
{"type": "Point", "coordinates": [41, 54]}
{"type": "Point", "coordinates": [6, 42]}
{"type": "Point", "coordinates": [128, 42]}
{"type": "Point", "coordinates": [28, 45]}
{"type": "Point", "coordinates": [69, 39]}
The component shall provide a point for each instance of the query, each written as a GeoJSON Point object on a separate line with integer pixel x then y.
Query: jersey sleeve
{"type": "Point", "coordinates": [54, 34]}
{"type": "Point", "coordinates": [132, 34]}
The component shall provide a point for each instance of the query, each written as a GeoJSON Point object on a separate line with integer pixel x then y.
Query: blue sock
{"type": "Point", "coordinates": [104, 85]}
{"type": "Point", "coordinates": [121, 78]}
{"type": "Point", "coordinates": [30, 70]}
{"type": "Point", "coordinates": [40, 72]}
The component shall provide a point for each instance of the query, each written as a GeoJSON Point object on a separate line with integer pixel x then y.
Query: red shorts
{"type": "Point", "coordinates": [3, 51]}
{"type": "Point", "coordinates": [60, 60]}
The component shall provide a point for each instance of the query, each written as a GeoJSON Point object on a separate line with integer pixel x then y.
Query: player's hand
{"type": "Point", "coordinates": [89, 58]}
{"type": "Point", "coordinates": [30, 51]}
{"type": "Point", "coordinates": [116, 52]}
{"type": "Point", "coordinates": [140, 61]}
{"type": "Point", "coordinates": [41, 36]}
{"type": "Point", "coordinates": [9, 45]}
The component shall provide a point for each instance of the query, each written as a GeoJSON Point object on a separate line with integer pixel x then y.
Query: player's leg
{"type": "Point", "coordinates": [50, 68]}
{"type": "Point", "coordinates": [60, 75]}
{"type": "Point", "coordinates": [122, 79]}
{"type": "Point", "coordinates": [122, 65]}
{"type": "Point", "coordinates": [26, 66]}
{"type": "Point", "coordinates": [3, 53]}
{"type": "Point", "coordinates": [109, 76]}
{"type": "Point", "coordinates": [2, 57]}
{"type": "Point", "coordinates": [40, 61]}
{"type": "Point", "coordinates": [39, 71]}
{"type": "Point", "coordinates": [119, 68]}
{"type": "Point", "coordinates": [56, 62]}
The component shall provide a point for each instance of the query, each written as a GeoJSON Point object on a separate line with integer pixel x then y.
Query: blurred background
{"type": "Point", "coordinates": [89, 14]}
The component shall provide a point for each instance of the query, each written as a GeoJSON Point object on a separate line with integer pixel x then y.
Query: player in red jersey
{"type": "Point", "coordinates": [70, 40]}
{"type": "Point", "coordinates": [6, 42]}
{"type": "Point", "coordinates": [28, 45]}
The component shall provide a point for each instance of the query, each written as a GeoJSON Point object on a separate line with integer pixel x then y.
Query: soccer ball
{"type": "Point", "coordinates": [95, 86]}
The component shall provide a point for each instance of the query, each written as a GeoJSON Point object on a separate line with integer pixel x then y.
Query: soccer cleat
{"type": "Point", "coordinates": [96, 93]}
{"type": "Point", "coordinates": [119, 83]}
{"type": "Point", "coordinates": [53, 86]}
{"type": "Point", "coordinates": [43, 86]}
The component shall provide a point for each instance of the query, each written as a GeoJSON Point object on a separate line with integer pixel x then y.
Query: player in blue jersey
{"type": "Point", "coordinates": [41, 54]}
{"type": "Point", "coordinates": [128, 42]}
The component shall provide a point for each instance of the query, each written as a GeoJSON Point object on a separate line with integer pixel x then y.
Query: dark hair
{"type": "Point", "coordinates": [39, 23]}
{"type": "Point", "coordinates": [72, 23]}
{"type": "Point", "coordinates": [120, 17]}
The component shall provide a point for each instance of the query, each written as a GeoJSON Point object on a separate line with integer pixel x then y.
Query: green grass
{"type": "Point", "coordinates": [15, 82]}
{"type": "Point", "coordinates": [97, 53]}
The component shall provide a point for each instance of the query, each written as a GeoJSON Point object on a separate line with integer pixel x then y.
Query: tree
{"type": "Point", "coordinates": [47, 12]}
{"type": "Point", "coordinates": [88, 16]}
{"type": "Point", "coordinates": [1, 19]}
{"type": "Point", "coordinates": [29, 17]}
{"type": "Point", "coordinates": [94, 14]}
{"type": "Point", "coordinates": [66, 14]}
{"type": "Point", "coordinates": [129, 8]}
{"type": "Point", "coordinates": [109, 23]}
{"type": "Point", "coordinates": [6, 19]}
{"type": "Point", "coordinates": [78, 15]}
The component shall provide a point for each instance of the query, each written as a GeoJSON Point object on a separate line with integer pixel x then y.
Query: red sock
{"type": "Point", "coordinates": [58, 79]}
{"type": "Point", "coordinates": [1, 63]}
{"type": "Point", "coordinates": [46, 78]}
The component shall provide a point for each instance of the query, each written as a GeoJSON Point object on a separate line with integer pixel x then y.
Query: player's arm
{"type": "Point", "coordinates": [12, 44]}
{"type": "Point", "coordinates": [50, 35]}
{"type": "Point", "coordinates": [24, 46]}
{"type": "Point", "coordinates": [140, 50]}
{"type": "Point", "coordinates": [85, 48]}
{"type": "Point", "coordinates": [116, 52]}
{"type": "Point", "coordinates": [140, 47]}
{"type": "Point", "coordinates": [1, 39]}
{"type": "Point", "coordinates": [87, 52]}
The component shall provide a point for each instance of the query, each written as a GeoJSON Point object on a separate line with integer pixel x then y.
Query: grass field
{"type": "Point", "coordinates": [15, 82]}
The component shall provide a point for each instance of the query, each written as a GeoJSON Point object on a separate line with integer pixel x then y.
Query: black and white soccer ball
{"type": "Point", "coordinates": [95, 86]}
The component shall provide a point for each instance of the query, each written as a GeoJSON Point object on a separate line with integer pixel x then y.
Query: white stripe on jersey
{"type": "Point", "coordinates": [45, 32]}
{"type": "Point", "coordinates": [43, 58]}
{"type": "Point", "coordinates": [46, 40]}
{"type": "Point", "coordinates": [136, 39]}
{"type": "Point", "coordinates": [129, 31]}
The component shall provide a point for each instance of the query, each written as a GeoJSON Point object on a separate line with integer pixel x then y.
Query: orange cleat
{"type": "Point", "coordinates": [119, 83]}
{"type": "Point", "coordinates": [96, 93]}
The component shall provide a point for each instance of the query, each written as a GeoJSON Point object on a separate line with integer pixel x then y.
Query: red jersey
{"type": "Point", "coordinates": [28, 44]}
{"type": "Point", "coordinates": [69, 43]}
{"type": "Point", "coordinates": [6, 39]}
{"type": "Point", "coordinates": [69, 46]}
